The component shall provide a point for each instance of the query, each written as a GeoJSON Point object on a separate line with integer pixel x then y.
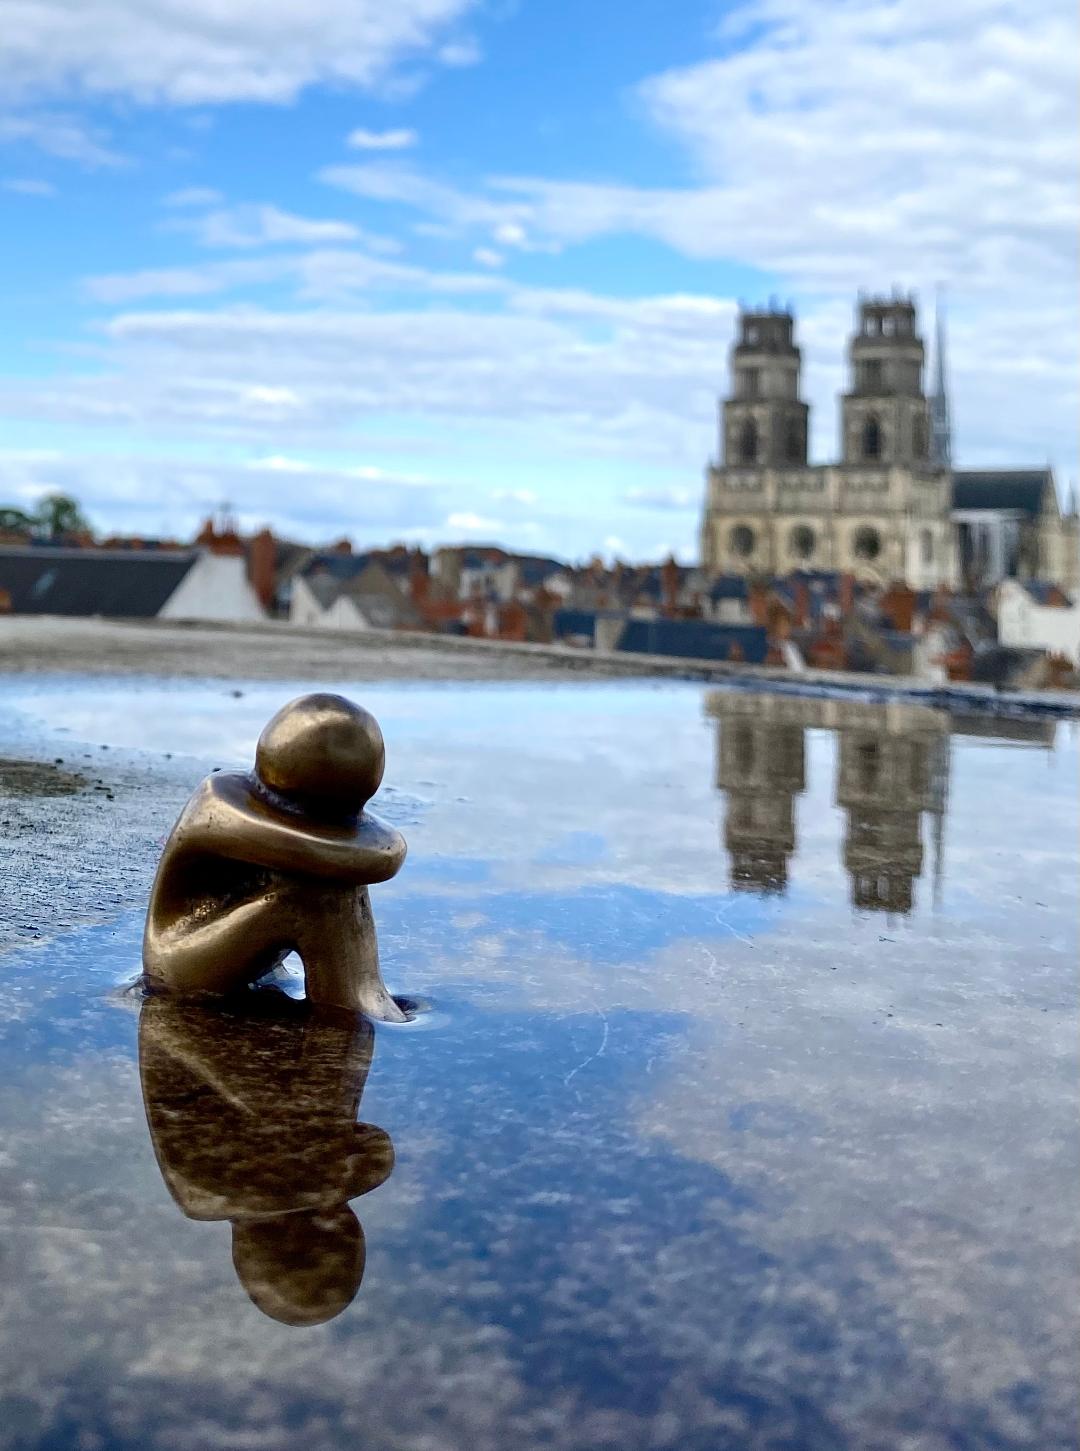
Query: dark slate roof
{"type": "Point", "coordinates": [573, 622]}
{"type": "Point", "coordinates": [1042, 591]}
{"type": "Point", "coordinates": [695, 639]}
{"type": "Point", "coordinates": [123, 583]}
{"type": "Point", "coordinates": [534, 569]}
{"type": "Point", "coordinates": [335, 566]}
{"type": "Point", "coordinates": [1020, 489]}
{"type": "Point", "coordinates": [481, 558]}
{"type": "Point", "coordinates": [729, 587]}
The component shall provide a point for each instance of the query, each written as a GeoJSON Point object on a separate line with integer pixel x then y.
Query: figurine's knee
{"type": "Point", "coordinates": [219, 952]}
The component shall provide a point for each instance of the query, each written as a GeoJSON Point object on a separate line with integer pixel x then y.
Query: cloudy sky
{"type": "Point", "coordinates": [441, 269]}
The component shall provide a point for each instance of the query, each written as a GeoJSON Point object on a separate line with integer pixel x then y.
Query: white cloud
{"type": "Point", "coordinates": [395, 182]}
{"type": "Point", "coordinates": [634, 379]}
{"type": "Point", "coordinates": [29, 186]}
{"type": "Point", "coordinates": [854, 143]}
{"type": "Point", "coordinates": [459, 53]}
{"type": "Point", "coordinates": [157, 51]}
{"type": "Point", "coordinates": [527, 497]}
{"type": "Point", "coordinates": [312, 501]}
{"type": "Point", "coordinates": [467, 523]}
{"type": "Point", "coordinates": [674, 497]}
{"type": "Point", "coordinates": [263, 225]}
{"type": "Point", "coordinates": [396, 140]}
{"type": "Point", "coordinates": [488, 257]}
{"type": "Point", "coordinates": [510, 234]}
{"type": "Point", "coordinates": [282, 464]}
{"type": "Point", "coordinates": [182, 281]}
{"type": "Point", "coordinates": [840, 143]}
{"type": "Point", "coordinates": [192, 196]}
{"type": "Point", "coordinates": [323, 275]}
{"type": "Point", "coordinates": [56, 135]}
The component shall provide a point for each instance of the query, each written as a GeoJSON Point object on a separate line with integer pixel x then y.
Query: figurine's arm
{"type": "Point", "coordinates": [226, 818]}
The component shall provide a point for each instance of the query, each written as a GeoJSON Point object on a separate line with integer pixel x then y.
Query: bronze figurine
{"type": "Point", "coordinates": [279, 860]}
{"type": "Point", "coordinates": [252, 1116]}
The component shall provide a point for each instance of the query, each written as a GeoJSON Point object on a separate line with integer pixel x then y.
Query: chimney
{"type": "Point", "coordinates": [343, 546]}
{"type": "Point", "coordinates": [802, 603]}
{"type": "Point", "coordinates": [669, 584]}
{"type": "Point", "coordinates": [898, 606]}
{"type": "Point", "coordinates": [262, 561]}
{"type": "Point", "coordinates": [418, 576]}
{"type": "Point", "coordinates": [758, 601]}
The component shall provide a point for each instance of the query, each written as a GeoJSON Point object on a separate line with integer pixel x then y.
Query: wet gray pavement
{"type": "Point", "coordinates": [743, 1114]}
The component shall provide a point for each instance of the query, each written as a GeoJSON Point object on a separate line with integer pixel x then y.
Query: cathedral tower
{"type": "Point", "coordinates": [764, 421]}
{"type": "Point", "coordinates": [760, 768]}
{"type": "Point", "coordinates": [885, 416]}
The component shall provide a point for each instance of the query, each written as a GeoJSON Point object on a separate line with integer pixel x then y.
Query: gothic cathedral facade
{"type": "Point", "coordinates": [882, 512]}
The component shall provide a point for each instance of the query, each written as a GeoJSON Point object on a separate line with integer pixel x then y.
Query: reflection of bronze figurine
{"type": "Point", "coordinates": [279, 860]}
{"type": "Point", "coordinates": [253, 1119]}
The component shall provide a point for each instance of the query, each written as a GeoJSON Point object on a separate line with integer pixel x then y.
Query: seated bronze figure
{"type": "Point", "coordinates": [252, 1116]}
{"type": "Point", "coordinates": [279, 860]}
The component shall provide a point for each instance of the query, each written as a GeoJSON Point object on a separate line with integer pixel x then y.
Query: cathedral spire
{"type": "Point", "coordinates": [940, 427]}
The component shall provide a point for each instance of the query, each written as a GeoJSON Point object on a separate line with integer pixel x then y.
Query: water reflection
{"type": "Point", "coordinates": [253, 1120]}
{"type": "Point", "coordinates": [892, 769]}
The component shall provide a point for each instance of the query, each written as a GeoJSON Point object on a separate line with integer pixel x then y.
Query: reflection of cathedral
{"type": "Point", "coordinates": [892, 767]}
{"type": "Point", "coordinates": [885, 779]}
{"type": "Point", "coordinates": [760, 769]}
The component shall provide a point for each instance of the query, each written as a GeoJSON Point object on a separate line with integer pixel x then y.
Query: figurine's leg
{"type": "Point", "coordinates": [335, 937]}
{"type": "Point", "coordinates": [223, 952]}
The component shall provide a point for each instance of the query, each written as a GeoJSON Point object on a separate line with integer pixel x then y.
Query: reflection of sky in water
{"type": "Point", "coordinates": [680, 1164]}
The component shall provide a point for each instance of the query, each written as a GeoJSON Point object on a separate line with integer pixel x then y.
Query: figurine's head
{"type": "Point", "coordinates": [301, 1269]}
{"type": "Point", "coordinates": [323, 751]}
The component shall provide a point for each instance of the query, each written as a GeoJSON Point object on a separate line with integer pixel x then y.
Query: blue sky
{"type": "Point", "coordinates": [445, 270]}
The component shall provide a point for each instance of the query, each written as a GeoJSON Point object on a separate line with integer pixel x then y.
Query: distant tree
{"type": "Point", "coordinates": [15, 521]}
{"type": "Point", "coordinates": [58, 515]}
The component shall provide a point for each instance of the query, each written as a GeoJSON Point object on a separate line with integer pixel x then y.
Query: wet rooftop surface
{"type": "Point", "coordinates": [741, 1112]}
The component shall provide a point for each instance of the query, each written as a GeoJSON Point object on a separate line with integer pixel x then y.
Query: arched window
{"type": "Point", "coordinates": [794, 444]}
{"type": "Point", "coordinates": [867, 765]}
{"type": "Point", "coordinates": [802, 541]}
{"type": "Point", "coordinates": [867, 542]}
{"type": "Point", "coordinates": [920, 441]}
{"type": "Point", "coordinates": [871, 438]}
{"type": "Point", "coordinates": [748, 442]}
{"type": "Point", "coordinates": [743, 746]}
{"type": "Point", "coordinates": [741, 540]}
{"type": "Point", "coordinates": [926, 546]}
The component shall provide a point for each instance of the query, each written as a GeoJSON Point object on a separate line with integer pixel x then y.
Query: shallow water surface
{"type": "Point", "coordinates": [742, 1113]}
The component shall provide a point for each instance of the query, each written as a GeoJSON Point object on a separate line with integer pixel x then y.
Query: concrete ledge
{"type": "Point", "coordinates": [491, 658]}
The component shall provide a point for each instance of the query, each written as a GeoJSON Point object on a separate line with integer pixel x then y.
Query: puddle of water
{"type": "Point", "coordinates": [749, 1120]}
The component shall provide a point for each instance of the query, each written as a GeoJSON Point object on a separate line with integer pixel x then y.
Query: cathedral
{"type": "Point", "coordinates": [893, 507]}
